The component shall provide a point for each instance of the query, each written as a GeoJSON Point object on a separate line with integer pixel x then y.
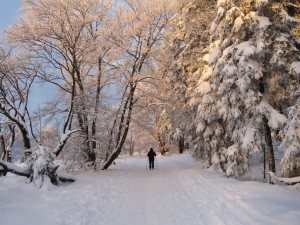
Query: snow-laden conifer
{"type": "Point", "coordinates": [291, 142]}
{"type": "Point", "coordinates": [246, 83]}
{"type": "Point", "coordinates": [189, 38]}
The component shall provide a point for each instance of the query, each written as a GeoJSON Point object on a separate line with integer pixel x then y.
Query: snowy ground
{"type": "Point", "coordinates": [179, 192]}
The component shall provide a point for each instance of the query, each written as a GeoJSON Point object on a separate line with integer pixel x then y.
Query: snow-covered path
{"type": "Point", "coordinates": [179, 192]}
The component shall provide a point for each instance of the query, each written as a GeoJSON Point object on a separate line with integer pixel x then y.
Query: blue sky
{"type": "Point", "coordinates": [9, 12]}
{"type": "Point", "coordinates": [8, 15]}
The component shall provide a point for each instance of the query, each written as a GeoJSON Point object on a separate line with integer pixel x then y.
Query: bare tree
{"type": "Point", "coordinates": [138, 32]}
{"type": "Point", "coordinates": [17, 76]}
{"type": "Point", "coordinates": [64, 37]}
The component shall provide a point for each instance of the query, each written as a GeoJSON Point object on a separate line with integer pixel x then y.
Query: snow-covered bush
{"type": "Point", "coordinates": [41, 166]}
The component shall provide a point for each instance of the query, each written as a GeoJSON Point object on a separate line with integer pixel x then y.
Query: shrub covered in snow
{"type": "Point", "coordinates": [41, 166]}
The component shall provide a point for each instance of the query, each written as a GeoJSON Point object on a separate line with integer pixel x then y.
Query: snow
{"type": "Point", "coordinates": [245, 49]}
{"type": "Point", "coordinates": [275, 119]}
{"type": "Point", "coordinates": [208, 132]}
{"type": "Point", "coordinates": [283, 38]}
{"type": "Point", "coordinates": [206, 74]}
{"type": "Point", "coordinates": [263, 22]}
{"type": "Point", "coordinates": [286, 18]}
{"type": "Point", "coordinates": [229, 69]}
{"type": "Point", "coordinates": [13, 166]}
{"type": "Point", "coordinates": [177, 192]}
{"type": "Point", "coordinates": [238, 24]}
{"type": "Point", "coordinates": [291, 180]}
{"type": "Point", "coordinates": [221, 2]}
{"type": "Point", "coordinates": [200, 127]}
{"type": "Point", "coordinates": [203, 88]}
{"type": "Point", "coordinates": [260, 3]}
{"type": "Point", "coordinates": [249, 138]}
{"type": "Point", "coordinates": [295, 68]}
{"type": "Point", "coordinates": [214, 56]}
{"type": "Point", "coordinates": [260, 45]}
{"type": "Point", "coordinates": [207, 99]}
{"type": "Point", "coordinates": [178, 134]}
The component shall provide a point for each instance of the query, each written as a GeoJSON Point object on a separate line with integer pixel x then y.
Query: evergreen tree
{"type": "Point", "coordinates": [291, 142]}
{"type": "Point", "coordinates": [189, 40]}
{"type": "Point", "coordinates": [190, 37]}
{"type": "Point", "coordinates": [247, 82]}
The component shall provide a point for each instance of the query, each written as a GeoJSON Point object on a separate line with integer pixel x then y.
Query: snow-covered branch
{"type": "Point", "coordinates": [12, 168]}
{"type": "Point", "coordinates": [63, 141]}
{"type": "Point", "coordinates": [25, 172]}
{"type": "Point", "coordinates": [290, 181]}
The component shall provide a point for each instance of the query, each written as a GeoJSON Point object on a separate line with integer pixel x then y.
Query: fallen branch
{"type": "Point", "coordinates": [66, 177]}
{"type": "Point", "coordinates": [37, 171]}
{"type": "Point", "coordinates": [288, 181]}
{"type": "Point", "coordinates": [12, 168]}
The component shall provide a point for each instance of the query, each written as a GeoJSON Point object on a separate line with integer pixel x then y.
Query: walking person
{"type": "Point", "coordinates": [151, 155]}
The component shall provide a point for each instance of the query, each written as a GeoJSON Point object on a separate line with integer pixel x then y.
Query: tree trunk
{"type": "Point", "coordinates": [10, 143]}
{"type": "Point", "coordinates": [2, 154]}
{"type": "Point", "coordinates": [131, 145]}
{"type": "Point", "coordinates": [25, 136]}
{"type": "Point", "coordinates": [26, 141]}
{"type": "Point", "coordinates": [162, 149]}
{"type": "Point", "coordinates": [68, 122]}
{"type": "Point", "coordinates": [83, 124]}
{"type": "Point", "coordinates": [95, 119]}
{"type": "Point", "coordinates": [21, 126]}
{"type": "Point", "coordinates": [162, 145]}
{"type": "Point", "coordinates": [122, 139]}
{"type": "Point", "coordinates": [264, 159]}
{"type": "Point", "coordinates": [268, 136]}
{"type": "Point", "coordinates": [2, 146]}
{"type": "Point", "coordinates": [181, 145]}
{"type": "Point", "coordinates": [269, 146]}
{"type": "Point", "coordinates": [110, 143]}
{"type": "Point", "coordinates": [82, 114]}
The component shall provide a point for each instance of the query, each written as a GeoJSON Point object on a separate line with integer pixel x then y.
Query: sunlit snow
{"type": "Point", "coordinates": [177, 192]}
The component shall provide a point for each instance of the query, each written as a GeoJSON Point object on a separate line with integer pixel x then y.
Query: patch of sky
{"type": "Point", "coordinates": [9, 13]}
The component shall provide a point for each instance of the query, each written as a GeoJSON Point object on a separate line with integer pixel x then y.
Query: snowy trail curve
{"type": "Point", "coordinates": [178, 193]}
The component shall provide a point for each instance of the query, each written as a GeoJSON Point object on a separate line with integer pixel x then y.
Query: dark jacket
{"type": "Point", "coordinates": [151, 154]}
